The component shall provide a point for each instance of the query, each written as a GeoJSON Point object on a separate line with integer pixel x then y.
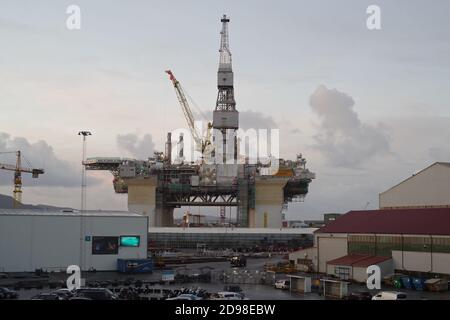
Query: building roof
{"type": "Point", "coordinates": [72, 213]}
{"type": "Point", "coordinates": [447, 164]}
{"type": "Point", "coordinates": [422, 221]}
{"type": "Point", "coordinates": [348, 260]}
{"type": "Point", "coordinates": [371, 261]}
{"type": "Point", "coordinates": [358, 260]}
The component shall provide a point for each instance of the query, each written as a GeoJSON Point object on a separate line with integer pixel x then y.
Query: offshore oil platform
{"type": "Point", "coordinates": [221, 176]}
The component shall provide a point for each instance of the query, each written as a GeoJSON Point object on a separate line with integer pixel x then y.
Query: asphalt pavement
{"type": "Point", "coordinates": [252, 291]}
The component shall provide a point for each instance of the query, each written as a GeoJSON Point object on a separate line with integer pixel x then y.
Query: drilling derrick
{"type": "Point", "coordinates": [225, 116]}
{"type": "Point", "coordinates": [158, 185]}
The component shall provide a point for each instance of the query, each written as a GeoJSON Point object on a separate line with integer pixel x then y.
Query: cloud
{"type": "Point", "coordinates": [110, 72]}
{"type": "Point", "coordinates": [256, 120]}
{"type": "Point", "coordinates": [58, 173]}
{"type": "Point", "coordinates": [439, 154]}
{"type": "Point", "coordinates": [343, 139]}
{"type": "Point", "coordinates": [138, 148]}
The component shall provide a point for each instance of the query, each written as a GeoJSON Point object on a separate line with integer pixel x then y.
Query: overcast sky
{"type": "Point", "coordinates": [366, 108]}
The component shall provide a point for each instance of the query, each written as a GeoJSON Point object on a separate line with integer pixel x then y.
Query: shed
{"type": "Point", "coordinates": [334, 288]}
{"type": "Point", "coordinates": [437, 284]}
{"type": "Point", "coordinates": [299, 284]}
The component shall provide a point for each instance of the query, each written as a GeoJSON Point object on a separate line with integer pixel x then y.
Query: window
{"type": "Point", "coordinates": [130, 241]}
{"type": "Point", "coordinates": [105, 245]}
{"type": "Point", "coordinates": [342, 272]}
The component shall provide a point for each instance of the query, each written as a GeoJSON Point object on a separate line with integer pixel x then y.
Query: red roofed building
{"type": "Point", "coordinates": [354, 266]}
{"type": "Point", "coordinates": [416, 240]}
{"type": "Point", "coordinates": [423, 221]}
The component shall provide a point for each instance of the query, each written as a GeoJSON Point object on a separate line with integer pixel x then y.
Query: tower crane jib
{"type": "Point", "coordinates": [18, 169]}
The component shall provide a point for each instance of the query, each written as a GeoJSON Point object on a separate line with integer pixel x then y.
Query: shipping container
{"type": "Point", "coordinates": [135, 265]}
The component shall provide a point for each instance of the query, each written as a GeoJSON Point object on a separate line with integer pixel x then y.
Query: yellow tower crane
{"type": "Point", "coordinates": [18, 169]}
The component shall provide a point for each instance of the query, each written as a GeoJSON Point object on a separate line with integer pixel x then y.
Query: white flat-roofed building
{"type": "Point", "coordinates": [52, 240]}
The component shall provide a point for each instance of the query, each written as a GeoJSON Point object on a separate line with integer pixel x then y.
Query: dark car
{"type": "Point", "coordinates": [6, 293]}
{"type": "Point", "coordinates": [79, 298]}
{"type": "Point", "coordinates": [64, 294]}
{"type": "Point", "coordinates": [47, 296]}
{"type": "Point", "coordinates": [96, 294]}
{"type": "Point", "coordinates": [232, 288]}
{"type": "Point", "coordinates": [238, 261]}
{"type": "Point", "coordinates": [360, 295]}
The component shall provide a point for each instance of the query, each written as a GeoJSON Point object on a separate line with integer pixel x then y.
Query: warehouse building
{"type": "Point", "coordinates": [52, 240]}
{"type": "Point", "coordinates": [429, 188]}
{"type": "Point", "coordinates": [406, 240]}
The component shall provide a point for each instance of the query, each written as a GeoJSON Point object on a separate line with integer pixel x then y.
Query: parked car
{"type": "Point", "coordinates": [360, 295]}
{"type": "Point", "coordinates": [238, 261]}
{"type": "Point", "coordinates": [232, 288]}
{"type": "Point", "coordinates": [390, 295]}
{"type": "Point", "coordinates": [282, 284]}
{"type": "Point", "coordinates": [65, 294]}
{"type": "Point", "coordinates": [185, 296]}
{"type": "Point", "coordinates": [226, 295]}
{"type": "Point", "coordinates": [6, 293]}
{"type": "Point", "coordinates": [96, 294]}
{"type": "Point", "coordinates": [79, 298]}
{"type": "Point", "coordinates": [47, 296]}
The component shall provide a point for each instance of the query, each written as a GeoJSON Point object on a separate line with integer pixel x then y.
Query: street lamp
{"type": "Point", "coordinates": [84, 134]}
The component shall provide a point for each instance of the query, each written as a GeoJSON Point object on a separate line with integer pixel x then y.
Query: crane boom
{"type": "Point", "coordinates": [12, 167]}
{"type": "Point", "coordinates": [203, 145]}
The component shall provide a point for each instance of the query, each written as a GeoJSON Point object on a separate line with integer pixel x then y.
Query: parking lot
{"type": "Point", "coordinates": [252, 290]}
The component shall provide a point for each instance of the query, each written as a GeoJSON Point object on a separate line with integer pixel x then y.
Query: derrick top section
{"type": "Point", "coordinates": [225, 53]}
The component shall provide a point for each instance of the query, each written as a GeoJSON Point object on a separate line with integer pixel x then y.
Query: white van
{"type": "Point", "coordinates": [282, 284]}
{"type": "Point", "coordinates": [389, 295]}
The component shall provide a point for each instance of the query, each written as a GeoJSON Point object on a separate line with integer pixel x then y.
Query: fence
{"type": "Point", "coordinates": [244, 277]}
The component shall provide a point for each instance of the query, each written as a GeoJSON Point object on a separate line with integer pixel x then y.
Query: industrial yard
{"type": "Point", "coordinates": [290, 207]}
{"type": "Point", "coordinates": [152, 287]}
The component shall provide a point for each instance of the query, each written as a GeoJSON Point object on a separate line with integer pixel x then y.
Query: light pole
{"type": "Point", "coordinates": [84, 134]}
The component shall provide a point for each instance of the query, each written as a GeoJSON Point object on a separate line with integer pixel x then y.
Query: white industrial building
{"type": "Point", "coordinates": [53, 240]}
{"type": "Point", "coordinates": [429, 188]}
{"type": "Point", "coordinates": [410, 233]}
